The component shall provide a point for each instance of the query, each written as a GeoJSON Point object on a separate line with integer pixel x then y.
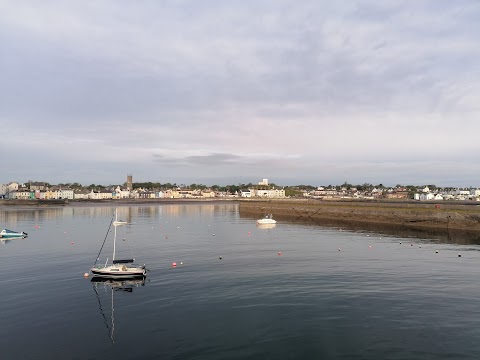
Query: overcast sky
{"type": "Point", "coordinates": [226, 92]}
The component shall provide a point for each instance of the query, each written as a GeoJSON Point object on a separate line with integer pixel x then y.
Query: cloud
{"type": "Point", "coordinates": [239, 88]}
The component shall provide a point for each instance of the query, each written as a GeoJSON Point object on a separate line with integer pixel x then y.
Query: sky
{"type": "Point", "coordinates": [223, 92]}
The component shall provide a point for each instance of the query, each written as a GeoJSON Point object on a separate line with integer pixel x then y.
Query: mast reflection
{"type": "Point", "coordinates": [115, 286]}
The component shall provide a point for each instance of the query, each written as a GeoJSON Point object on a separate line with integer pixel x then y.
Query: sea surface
{"type": "Point", "coordinates": [294, 291]}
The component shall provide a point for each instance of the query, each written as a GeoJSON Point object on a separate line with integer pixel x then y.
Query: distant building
{"type": "Point", "coordinates": [13, 186]}
{"type": "Point", "coordinates": [98, 195]}
{"type": "Point", "coordinates": [65, 194]}
{"type": "Point", "coordinates": [37, 186]}
{"type": "Point", "coordinates": [208, 194]}
{"type": "Point", "coordinates": [129, 182]}
{"type": "Point", "coordinates": [273, 193]}
{"type": "Point", "coordinates": [427, 196]}
{"type": "Point", "coordinates": [264, 182]}
{"type": "Point", "coordinates": [80, 194]}
{"type": "Point", "coordinates": [3, 190]}
{"type": "Point", "coordinates": [245, 193]}
{"type": "Point", "coordinates": [120, 193]}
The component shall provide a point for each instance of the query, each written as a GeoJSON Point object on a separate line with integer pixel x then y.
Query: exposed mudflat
{"type": "Point", "coordinates": [408, 216]}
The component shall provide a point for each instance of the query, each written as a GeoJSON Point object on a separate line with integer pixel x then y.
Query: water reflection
{"type": "Point", "coordinates": [266, 226]}
{"type": "Point", "coordinates": [447, 236]}
{"type": "Point", "coordinates": [114, 286]}
{"type": "Point", "coordinates": [7, 241]}
{"type": "Point", "coordinates": [11, 216]}
{"type": "Point", "coordinates": [441, 235]}
{"type": "Point", "coordinates": [14, 217]}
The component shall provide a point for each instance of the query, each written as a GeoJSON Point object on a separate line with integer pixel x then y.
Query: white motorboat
{"type": "Point", "coordinates": [268, 219]}
{"type": "Point", "coordinates": [118, 268]}
{"type": "Point", "coordinates": [10, 234]}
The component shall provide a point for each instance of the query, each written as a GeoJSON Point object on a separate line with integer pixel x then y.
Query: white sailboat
{"type": "Point", "coordinates": [118, 268]}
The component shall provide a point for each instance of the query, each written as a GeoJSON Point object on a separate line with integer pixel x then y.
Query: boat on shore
{"type": "Point", "coordinates": [118, 268]}
{"type": "Point", "coordinates": [10, 234]}
{"type": "Point", "coordinates": [267, 220]}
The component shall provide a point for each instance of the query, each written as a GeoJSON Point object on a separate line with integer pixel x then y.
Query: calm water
{"type": "Point", "coordinates": [380, 297]}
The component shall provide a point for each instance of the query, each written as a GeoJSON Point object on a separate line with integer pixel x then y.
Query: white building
{"type": "Point", "coordinates": [120, 193]}
{"type": "Point", "coordinates": [65, 194]}
{"type": "Point", "coordinates": [426, 197]}
{"type": "Point", "coordinates": [208, 194]}
{"type": "Point", "coordinates": [99, 195]}
{"type": "Point", "coordinates": [474, 192]}
{"type": "Point", "coordinates": [273, 193]}
{"type": "Point", "coordinates": [245, 193]}
{"type": "Point", "coordinates": [263, 182]}
{"type": "Point", "coordinates": [462, 192]}
{"type": "Point", "coordinates": [13, 186]}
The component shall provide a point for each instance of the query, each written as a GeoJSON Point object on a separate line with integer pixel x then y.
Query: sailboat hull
{"type": "Point", "coordinates": [119, 271]}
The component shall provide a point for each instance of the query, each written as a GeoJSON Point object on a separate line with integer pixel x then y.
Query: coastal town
{"type": "Point", "coordinates": [34, 190]}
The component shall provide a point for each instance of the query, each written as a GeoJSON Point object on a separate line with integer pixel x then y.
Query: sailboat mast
{"type": "Point", "coordinates": [115, 234]}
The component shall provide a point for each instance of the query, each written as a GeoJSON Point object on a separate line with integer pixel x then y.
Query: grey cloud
{"type": "Point", "coordinates": [224, 85]}
{"type": "Point", "coordinates": [211, 160]}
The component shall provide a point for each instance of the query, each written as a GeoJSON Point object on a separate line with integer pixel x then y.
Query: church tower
{"type": "Point", "coordinates": [129, 182]}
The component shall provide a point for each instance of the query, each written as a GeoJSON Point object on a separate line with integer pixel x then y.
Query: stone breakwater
{"type": "Point", "coordinates": [448, 216]}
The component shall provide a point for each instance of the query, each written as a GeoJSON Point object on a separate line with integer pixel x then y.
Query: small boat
{"type": "Point", "coordinates": [268, 219]}
{"type": "Point", "coordinates": [8, 234]}
{"type": "Point", "coordinates": [118, 268]}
